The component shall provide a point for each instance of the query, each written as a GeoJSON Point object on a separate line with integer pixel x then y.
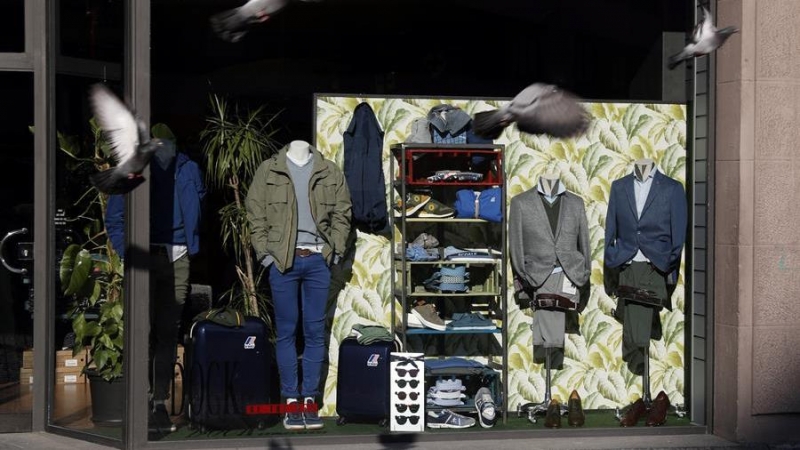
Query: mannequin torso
{"type": "Point", "coordinates": [642, 168]}
{"type": "Point", "coordinates": [299, 152]}
{"type": "Point", "coordinates": [548, 183]}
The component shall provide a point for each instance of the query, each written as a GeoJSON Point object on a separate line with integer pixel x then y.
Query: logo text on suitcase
{"type": "Point", "coordinates": [250, 343]}
{"type": "Point", "coordinates": [373, 360]}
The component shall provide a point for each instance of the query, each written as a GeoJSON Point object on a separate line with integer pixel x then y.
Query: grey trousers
{"type": "Point", "coordinates": [548, 326]}
{"type": "Point", "coordinates": [640, 323]}
{"type": "Point", "coordinates": [169, 287]}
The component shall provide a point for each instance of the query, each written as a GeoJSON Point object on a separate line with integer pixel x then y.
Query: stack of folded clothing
{"type": "Point", "coordinates": [447, 392]}
{"type": "Point", "coordinates": [456, 254]}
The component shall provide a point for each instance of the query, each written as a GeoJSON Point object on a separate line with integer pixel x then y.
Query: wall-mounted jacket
{"type": "Point", "coordinates": [659, 233]}
{"type": "Point", "coordinates": [272, 209]}
{"type": "Point", "coordinates": [536, 250]}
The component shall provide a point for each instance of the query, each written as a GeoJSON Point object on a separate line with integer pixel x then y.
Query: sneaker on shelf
{"type": "Point", "coordinates": [294, 416]}
{"type": "Point", "coordinates": [426, 240]}
{"type": "Point", "coordinates": [311, 415]}
{"type": "Point", "coordinates": [448, 419]}
{"type": "Point", "coordinates": [427, 315]}
{"type": "Point", "coordinates": [414, 202]}
{"type": "Point", "coordinates": [413, 322]}
{"type": "Point", "coordinates": [159, 421]}
{"type": "Point", "coordinates": [484, 403]}
{"type": "Point", "coordinates": [436, 209]}
{"type": "Point", "coordinates": [470, 321]}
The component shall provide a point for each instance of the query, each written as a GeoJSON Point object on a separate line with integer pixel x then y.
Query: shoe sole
{"type": "Point", "coordinates": [294, 427]}
{"type": "Point", "coordinates": [435, 215]}
{"type": "Point", "coordinates": [316, 426]}
{"type": "Point", "coordinates": [447, 425]}
{"type": "Point", "coordinates": [430, 325]}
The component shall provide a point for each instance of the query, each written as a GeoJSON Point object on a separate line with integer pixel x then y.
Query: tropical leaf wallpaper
{"type": "Point", "coordinates": [620, 134]}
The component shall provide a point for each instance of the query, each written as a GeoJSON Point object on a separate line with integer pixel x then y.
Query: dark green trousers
{"type": "Point", "coordinates": [640, 323]}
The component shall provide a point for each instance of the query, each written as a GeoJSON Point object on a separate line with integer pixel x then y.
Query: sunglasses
{"type": "Point", "coordinates": [402, 395]}
{"type": "Point", "coordinates": [403, 419]}
{"type": "Point", "coordinates": [411, 372]}
{"type": "Point", "coordinates": [412, 383]}
{"type": "Point", "coordinates": [402, 408]}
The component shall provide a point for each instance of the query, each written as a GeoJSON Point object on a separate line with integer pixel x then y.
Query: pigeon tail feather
{"type": "Point", "coordinates": [488, 124]}
{"type": "Point", "coordinates": [675, 60]}
{"type": "Point", "coordinates": [109, 182]}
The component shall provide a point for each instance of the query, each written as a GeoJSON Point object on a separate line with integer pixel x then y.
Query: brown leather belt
{"type": "Point", "coordinates": [303, 252]}
{"type": "Point", "coordinates": [553, 301]}
{"type": "Point", "coordinates": [642, 296]}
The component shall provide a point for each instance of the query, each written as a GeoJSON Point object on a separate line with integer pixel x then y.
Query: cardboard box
{"type": "Point", "coordinates": [64, 358]}
{"type": "Point", "coordinates": [25, 376]}
{"type": "Point", "coordinates": [27, 359]}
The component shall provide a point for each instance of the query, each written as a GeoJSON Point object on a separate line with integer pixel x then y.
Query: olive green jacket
{"type": "Point", "coordinates": [272, 209]}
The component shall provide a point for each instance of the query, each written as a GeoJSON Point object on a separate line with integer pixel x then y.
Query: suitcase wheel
{"type": "Point", "coordinates": [383, 423]}
{"type": "Point", "coordinates": [261, 425]}
{"type": "Point", "coordinates": [341, 420]}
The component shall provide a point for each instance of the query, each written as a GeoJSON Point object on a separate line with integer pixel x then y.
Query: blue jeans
{"type": "Point", "coordinates": [304, 285]}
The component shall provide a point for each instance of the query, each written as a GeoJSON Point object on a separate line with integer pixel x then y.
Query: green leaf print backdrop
{"type": "Point", "coordinates": [619, 134]}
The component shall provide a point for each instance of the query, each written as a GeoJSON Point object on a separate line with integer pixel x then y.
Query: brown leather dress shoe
{"type": "Point", "coordinates": [575, 415]}
{"type": "Point", "coordinates": [658, 410]}
{"type": "Point", "coordinates": [635, 412]}
{"type": "Point", "coordinates": [552, 418]}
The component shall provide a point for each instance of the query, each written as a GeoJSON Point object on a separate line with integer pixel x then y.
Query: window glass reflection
{"type": "Point", "coordinates": [12, 26]}
{"type": "Point", "coordinates": [16, 277]}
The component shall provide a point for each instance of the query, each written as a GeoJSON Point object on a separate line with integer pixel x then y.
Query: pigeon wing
{"type": "Point", "coordinates": [118, 123]}
{"type": "Point", "coordinates": [556, 112]}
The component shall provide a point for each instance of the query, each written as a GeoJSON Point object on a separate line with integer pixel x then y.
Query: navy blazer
{"type": "Point", "coordinates": [659, 233]}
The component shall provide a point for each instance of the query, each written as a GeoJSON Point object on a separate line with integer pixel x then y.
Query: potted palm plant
{"type": "Point", "coordinates": [91, 276]}
{"type": "Point", "coordinates": [235, 143]}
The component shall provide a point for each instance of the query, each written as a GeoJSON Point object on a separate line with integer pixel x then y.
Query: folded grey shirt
{"type": "Point", "coordinates": [448, 118]}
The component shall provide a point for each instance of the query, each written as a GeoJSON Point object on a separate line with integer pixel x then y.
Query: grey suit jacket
{"type": "Point", "coordinates": [535, 251]}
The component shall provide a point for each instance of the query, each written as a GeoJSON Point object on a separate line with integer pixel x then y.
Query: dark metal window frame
{"type": "Point", "coordinates": [40, 56]}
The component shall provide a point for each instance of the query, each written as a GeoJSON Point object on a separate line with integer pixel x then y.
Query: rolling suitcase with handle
{"type": "Point", "coordinates": [362, 384]}
{"type": "Point", "coordinates": [228, 369]}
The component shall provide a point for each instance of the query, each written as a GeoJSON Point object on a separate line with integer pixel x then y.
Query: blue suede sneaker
{"type": "Point", "coordinates": [294, 416]}
{"type": "Point", "coordinates": [311, 415]}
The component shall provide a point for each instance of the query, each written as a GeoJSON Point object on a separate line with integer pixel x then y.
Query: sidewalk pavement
{"type": "Point", "coordinates": [48, 441]}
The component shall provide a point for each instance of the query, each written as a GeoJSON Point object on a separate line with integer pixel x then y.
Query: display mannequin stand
{"type": "Point", "coordinates": [541, 408]}
{"type": "Point", "coordinates": [646, 396]}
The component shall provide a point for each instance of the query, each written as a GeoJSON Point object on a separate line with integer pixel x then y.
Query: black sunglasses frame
{"type": "Point", "coordinates": [403, 419]}
{"type": "Point", "coordinates": [402, 395]}
{"type": "Point", "coordinates": [401, 407]}
{"type": "Point", "coordinates": [412, 372]}
{"type": "Point", "coordinates": [412, 383]}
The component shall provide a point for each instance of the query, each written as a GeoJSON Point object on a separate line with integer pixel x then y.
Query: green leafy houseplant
{"type": "Point", "coordinates": [91, 273]}
{"type": "Point", "coordinates": [235, 144]}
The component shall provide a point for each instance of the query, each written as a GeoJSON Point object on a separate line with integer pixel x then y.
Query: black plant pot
{"type": "Point", "coordinates": [108, 399]}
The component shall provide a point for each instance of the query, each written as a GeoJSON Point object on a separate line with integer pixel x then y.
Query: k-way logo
{"type": "Point", "coordinates": [250, 343]}
{"type": "Point", "coordinates": [373, 360]}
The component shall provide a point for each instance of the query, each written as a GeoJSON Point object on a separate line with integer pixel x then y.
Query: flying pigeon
{"type": "Point", "coordinates": [129, 140]}
{"type": "Point", "coordinates": [705, 39]}
{"type": "Point", "coordinates": [539, 109]}
{"type": "Point", "coordinates": [231, 25]}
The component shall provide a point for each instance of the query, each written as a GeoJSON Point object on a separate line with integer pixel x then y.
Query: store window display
{"type": "Point", "coordinates": [551, 258]}
{"type": "Point", "coordinates": [645, 231]}
{"type": "Point", "coordinates": [299, 210]}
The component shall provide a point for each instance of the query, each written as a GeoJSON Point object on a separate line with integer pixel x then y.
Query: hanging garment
{"type": "Point", "coordinates": [363, 170]}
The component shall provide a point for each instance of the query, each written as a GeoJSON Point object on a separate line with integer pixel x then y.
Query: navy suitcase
{"type": "Point", "coordinates": [362, 382]}
{"type": "Point", "coordinates": [228, 370]}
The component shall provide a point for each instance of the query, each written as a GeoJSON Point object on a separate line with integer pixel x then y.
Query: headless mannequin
{"type": "Point", "coordinates": [642, 168]}
{"type": "Point", "coordinates": [549, 183]}
{"type": "Point", "coordinates": [299, 151]}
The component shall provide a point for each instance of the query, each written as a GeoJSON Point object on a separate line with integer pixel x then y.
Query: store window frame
{"type": "Point", "coordinates": [39, 57]}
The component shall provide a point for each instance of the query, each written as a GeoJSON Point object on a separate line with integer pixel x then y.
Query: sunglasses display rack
{"type": "Point", "coordinates": [407, 394]}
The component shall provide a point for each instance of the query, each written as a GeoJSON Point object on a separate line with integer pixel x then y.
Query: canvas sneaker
{"type": "Point", "coordinates": [435, 209]}
{"type": "Point", "coordinates": [448, 419]}
{"type": "Point", "coordinates": [428, 316]}
{"type": "Point", "coordinates": [484, 403]}
{"type": "Point", "coordinates": [311, 415]}
{"type": "Point", "coordinates": [294, 417]}
{"type": "Point", "coordinates": [414, 202]}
